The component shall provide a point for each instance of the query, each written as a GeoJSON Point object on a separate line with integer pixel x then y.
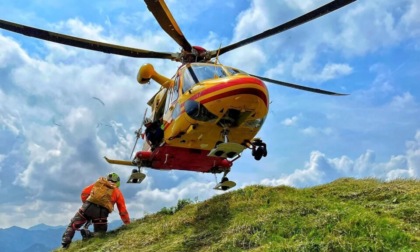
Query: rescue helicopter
{"type": "Point", "coordinates": [210, 113]}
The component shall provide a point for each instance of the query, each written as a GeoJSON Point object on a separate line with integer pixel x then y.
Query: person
{"type": "Point", "coordinates": [153, 132]}
{"type": "Point", "coordinates": [98, 200]}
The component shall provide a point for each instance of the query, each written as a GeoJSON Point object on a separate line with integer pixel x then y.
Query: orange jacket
{"type": "Point", "coordinates": [116, 197]}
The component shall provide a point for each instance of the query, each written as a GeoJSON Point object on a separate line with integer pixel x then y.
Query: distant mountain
{"type": "Point", "coordinates": [44, 227]}
{"type": "Point", "coordinates": [37, 248]}
{"type": "Point", "coordinates": [39, 238]}
{"type": "Point", "coordinates": [16, 239]}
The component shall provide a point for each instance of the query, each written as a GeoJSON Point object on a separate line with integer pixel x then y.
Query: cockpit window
{"type": "Point", "coordinates": [198, 73]}
{"type": "Point", "coordinates": [189, 80]}
{"type": "Point", "coordinates": [234, 71]}
{"type": "Point", "coordinates": [176, 89]}
{"type": "Point", "coordinates": [204, 72]}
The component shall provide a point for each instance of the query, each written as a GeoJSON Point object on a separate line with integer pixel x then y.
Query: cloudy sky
{"type": "Point", "coordinates": [62, 109]}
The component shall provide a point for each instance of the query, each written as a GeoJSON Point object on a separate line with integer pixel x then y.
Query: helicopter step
{"type": "Point", "coordinates": [225, 184]}
{"type": "Point", "coordinates": [227, 150]}
{"type": "Point", "coordinates": [136, 176]}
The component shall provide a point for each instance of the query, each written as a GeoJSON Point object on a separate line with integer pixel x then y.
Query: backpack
{"type": "Point", "coordinates": [101, 194]}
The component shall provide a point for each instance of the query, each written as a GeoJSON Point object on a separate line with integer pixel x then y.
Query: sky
{"type": "Point", "coordinates": [62, 109]}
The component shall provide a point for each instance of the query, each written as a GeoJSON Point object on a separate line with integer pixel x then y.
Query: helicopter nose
{"type": "Point", "coordinates": [245, 88]}
{"type": "Point", "coordinates": [240, 96]}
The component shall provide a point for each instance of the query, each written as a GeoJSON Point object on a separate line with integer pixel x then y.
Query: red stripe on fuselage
{"type": "Point", "coordinates": [231, 83]}
{"type": "Point", "coordinates": [239, 91]}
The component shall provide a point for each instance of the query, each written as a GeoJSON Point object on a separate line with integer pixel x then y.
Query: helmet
{"type": "Point", "coordinates": [147, 120]}
{"type": "Point", "coordinates": [113, 177]}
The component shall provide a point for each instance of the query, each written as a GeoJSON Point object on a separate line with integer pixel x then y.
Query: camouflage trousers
{"type": "Point", "coordinates": [88, 212]}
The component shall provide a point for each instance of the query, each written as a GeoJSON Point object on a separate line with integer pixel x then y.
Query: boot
{"type": "Point", "coordinates": [86, 234]}
{"type": "Point", "coordinates": [65, 245]}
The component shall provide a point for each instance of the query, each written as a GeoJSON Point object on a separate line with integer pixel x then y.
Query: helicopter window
{"type": "Point", "coordinates": [234, 71]}
{"type": "Point", "coordinates": [199, 73]}
{"type": "Point", "coordinates": [189, 80]}
{"type": "Point", "coordinates": [175, 89]}
{"type": "Point", "coordinates": [205, 72]}
{"type": "Point", "coordinates": [173, 93]}
{"type": "Point", "coordinates": [169, 94]}
{"type": "Point", "coordinates": [255, 123]}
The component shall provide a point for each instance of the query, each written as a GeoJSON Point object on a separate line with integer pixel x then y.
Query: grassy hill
{"type": "Point", "coordinates": [345, 215]}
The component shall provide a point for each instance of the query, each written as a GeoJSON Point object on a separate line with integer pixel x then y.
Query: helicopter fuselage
{"type": "Point", "coordinates": [206, 104]}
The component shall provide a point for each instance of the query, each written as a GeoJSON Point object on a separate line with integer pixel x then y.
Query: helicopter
{"type": "Point", "coordinates": [209, 113]}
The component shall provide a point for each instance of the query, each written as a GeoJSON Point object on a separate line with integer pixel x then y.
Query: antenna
{"type": "Point", "coordinates": [217, 55]}
{"type": "Point", "coordinates": [138, 133]}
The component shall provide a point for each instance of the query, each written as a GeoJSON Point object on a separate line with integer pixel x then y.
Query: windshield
{"type": "Point", "coordinates": [208, 72]}
{"type": "Point", "coordinates": [198, 73]}
{"type": "Point", "coordinates": [234, 71]}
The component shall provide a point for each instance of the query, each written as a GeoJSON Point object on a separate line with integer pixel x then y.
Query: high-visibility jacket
{"type": "Point", "coordinates": [116, 197]}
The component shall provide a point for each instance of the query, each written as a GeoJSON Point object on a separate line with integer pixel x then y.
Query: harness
{"type": "Point", "coordinates": [88, 221]}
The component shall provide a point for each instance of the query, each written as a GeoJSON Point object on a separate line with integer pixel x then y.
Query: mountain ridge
{"type": "Point", "coordinates": [344, 215]}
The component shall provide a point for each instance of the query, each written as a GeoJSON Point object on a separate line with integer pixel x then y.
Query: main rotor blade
{"type": "Point", "coordinates": [167, 22]}
{"type": "Point", "coordinates": [314, 90]}
{"type": "Point", "coordinates": [84, 43]}
{"type": "Point", "coordinates": [332, 6]}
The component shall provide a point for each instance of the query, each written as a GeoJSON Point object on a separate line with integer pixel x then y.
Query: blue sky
{"type": "Point", "coordinates": [53, 133]}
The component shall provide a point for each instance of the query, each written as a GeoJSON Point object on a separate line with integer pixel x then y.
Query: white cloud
{"type": "Point", "coordinates": [402, 101]}
{"type": "Point", "coordinates": [305, 68]}
{"type": "Point", "coordinates": [80, 29]}
{"type": "Point", "coordinates": [312, 174]}
{"type": "Point", "coordinates": [305, 5]}
{"type": "Point", "coordinates": [410, 20]}
{"type": "Point", "coordinates": [10, 53]}
{"type": "Point", "coordinates": [34, 212]}
{"type": "Point", "coordinates": [321, 169]}
{"type": "Point", "coordinates": [309, 131]}
{"type": "Point", "coordinates": [249, 59]}
{"type": "Point", "coordinates": [332, 71]}
{"type": "Point", "coordinates": [8, 122]}
{"type": "Point", "coordinates": [413, 156]}
{"type": "Point", "coordinates": [290, 121]}
{"type": "Point", "coordinates": [314, 131]}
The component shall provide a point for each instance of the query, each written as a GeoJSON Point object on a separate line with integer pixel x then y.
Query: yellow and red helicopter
{"type": "Point", "coordinates": [210, 113]}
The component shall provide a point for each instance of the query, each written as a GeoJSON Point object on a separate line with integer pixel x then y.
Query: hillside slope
{"type": "Point", "coordinates": [345, 215]}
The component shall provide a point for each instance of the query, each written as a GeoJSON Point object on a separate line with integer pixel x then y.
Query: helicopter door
{"type": "Point", "coordinates": [159, 104]}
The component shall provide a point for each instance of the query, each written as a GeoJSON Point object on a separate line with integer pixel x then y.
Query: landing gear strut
{"type": "Point", "coordinates": [226, 149]}
{"type": "Point", "coordinates": [136, 175]}
{"type": "Point", "coordinates": [225, 183]}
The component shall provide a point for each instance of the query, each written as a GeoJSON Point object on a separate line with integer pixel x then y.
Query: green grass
{"type": "Point", "coordinates": [345, 215]}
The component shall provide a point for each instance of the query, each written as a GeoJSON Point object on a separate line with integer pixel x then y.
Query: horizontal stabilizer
{"type": "Point", "coordinates": [119, 162]}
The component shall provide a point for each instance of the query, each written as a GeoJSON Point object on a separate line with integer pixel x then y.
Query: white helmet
{"type": "Point", "coordinates": [147, 120]}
